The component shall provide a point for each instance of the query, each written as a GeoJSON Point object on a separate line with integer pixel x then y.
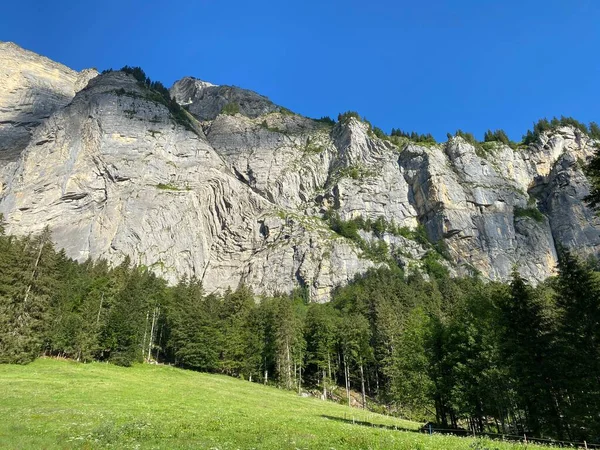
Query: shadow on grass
{"type": "Point", "coordinates": [354, 421]}
{"type": "Point", "coordinates": [465, 433]}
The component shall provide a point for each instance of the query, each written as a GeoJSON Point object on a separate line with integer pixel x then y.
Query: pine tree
{"type": "Point", "coordinates": [594, 130]}
{"type": "Point", "coordinates": [578, 299]}
{"type": "Point", "coordinates": [289, 338]}
{"type": "Point", "coordinates": [354, 335]}
{"type": "Point", "coordinates": [592, 171]}
{"type": "Point", "coordinates": [321, 337]}
{"type": "Point", "coordinates": [411, 384]}
{"type": "Point", "coordinates": [194, 328]}
{"type": "Point", "coordinates": [242, 347]}
{"type": "Point", "coordinates": [27, 286]}
{"type": "Point", "coordinates": [123, 335]}
{"type": "Point", "coordinates": [527, 352]}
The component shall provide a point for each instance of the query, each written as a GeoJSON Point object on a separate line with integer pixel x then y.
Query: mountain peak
{"type": "Point", "coordinates": [206, 101]}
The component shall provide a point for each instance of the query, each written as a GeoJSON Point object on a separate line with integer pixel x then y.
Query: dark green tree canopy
{"type": "Point", "coordinates": [508, 358]}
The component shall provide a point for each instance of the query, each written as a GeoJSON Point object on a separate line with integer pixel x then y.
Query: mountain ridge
{"type": "Point", "coordinates": [242, 199]}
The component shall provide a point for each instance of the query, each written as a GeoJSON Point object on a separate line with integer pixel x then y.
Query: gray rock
{"type": "Point", "coordinates": [368, 181]}
{"type": "Point", "coordinates": [239, 198]}
{"type": "Point", "coordinates": [572, 224]}
{"type": "Point", "coordinates": [31, 89]}
{"type": "Point", "coordinates": [284, 158]}
{"type": "Point", "coordinates": [112, 174]}
{"type": "Point", "coordinates": [205, 101]}
{"type": "Point", "coordinates": [471, 200]}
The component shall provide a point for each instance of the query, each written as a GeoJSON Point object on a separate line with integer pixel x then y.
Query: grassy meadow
{"type": "Point", "coordinates": [63, 404]}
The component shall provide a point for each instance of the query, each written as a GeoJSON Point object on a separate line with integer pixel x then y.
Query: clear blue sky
{"type": "Point", "coordinates": [429, 66]}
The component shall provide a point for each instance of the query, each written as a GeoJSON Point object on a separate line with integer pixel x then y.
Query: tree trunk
{"type": "Point", "coordinates": [99, 309]}
{"type": "Point", "coordinates": [347, 377]}
{"type": "Point", "coordinates": [279, 372]}
{"type": "Point", "coordinates": [151, 333]}
{"type": "Point", "coordinates": [288, 366]}
{"type": "Point", "coordinates": [37, 262]}
{"type": "Point", "coordinates": [159, 341]}
{"type": "Point", "coordinates": [145, 334]}
{"type": "Point", "coordinates": [362, 383]}
{"type": "Point", "coordinates": [339, 364]}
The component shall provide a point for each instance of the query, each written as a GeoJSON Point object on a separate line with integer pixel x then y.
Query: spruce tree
{"type": "Point", "coordinates": [321, 337]}
{"type": "Point", "coordinates": [527, 348]}
{"type": "Point", "coordinates": [128, 320]}
{"type": "Point", "coordinates": [195, 335]}
{"type": "Point", "coordinates": [27, 285]}
{"type": "Point", "coordinates": [578, 299]}
{"type": "Point", "coordinates": [240, 342]}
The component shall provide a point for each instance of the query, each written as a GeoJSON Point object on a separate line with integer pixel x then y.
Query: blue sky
{"type": "Point", "coordinates": [429, 66]}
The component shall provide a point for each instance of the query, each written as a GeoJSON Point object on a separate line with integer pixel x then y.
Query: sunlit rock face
{"type": "Point", "coordinates": [239, 197]}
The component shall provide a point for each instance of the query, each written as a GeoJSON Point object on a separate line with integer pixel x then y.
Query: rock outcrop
{"type": "Point", "coordinates": [31, 89]}
{"type": "Point", "coordinates": [206, 100]}
{"type": "Point", "coordinates": [239, 197]}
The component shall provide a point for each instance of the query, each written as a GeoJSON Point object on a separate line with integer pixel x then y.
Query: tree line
{"type": "Point", "coordinates": [530, 137]}
{"type": "Point", "coordinates": [488, 356]}
{"type": "Point", "coordinates": [542, 125]}
{"type": "Point", "coordinates": [413, 136]}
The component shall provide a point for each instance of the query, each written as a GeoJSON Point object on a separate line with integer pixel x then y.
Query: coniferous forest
{"type": "Point", "coordinates": [506, 358]}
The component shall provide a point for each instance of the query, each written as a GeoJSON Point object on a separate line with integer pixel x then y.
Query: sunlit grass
{"type": "Point", "coordinates": [61, 404]}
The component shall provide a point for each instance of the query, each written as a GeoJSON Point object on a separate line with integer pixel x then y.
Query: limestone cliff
{"type": "Point", "coordinates": [239, 197]}
{"type": "Point", "coordinates": [31, 88]}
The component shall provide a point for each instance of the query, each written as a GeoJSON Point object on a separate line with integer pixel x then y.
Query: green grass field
{"type": "Point", "coordinates": [60, 404]}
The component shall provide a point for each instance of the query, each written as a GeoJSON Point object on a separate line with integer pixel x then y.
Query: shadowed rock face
{"type": "Point", "coordinates": [31, 89]}
{"type": "Point", "coordinates": [240, 199]}
{"type": "Point", "coordinates": [572, 224]}
{"type": "Point", "coordinates": [205, 101]}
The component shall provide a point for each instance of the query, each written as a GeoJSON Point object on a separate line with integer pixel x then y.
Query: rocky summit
{"type": "Point", "coordinates": [245, 191]}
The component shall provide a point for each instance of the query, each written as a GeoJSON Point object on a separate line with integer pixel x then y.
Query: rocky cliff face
{"type": "Point", "coordinates": [239, 198]}
{"type": "Point", "coordinates": [484, 206]}
{"type": "Point", "coordinates": [31, 89]}
{"type": "Point", "coordinates": [206, 100]}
